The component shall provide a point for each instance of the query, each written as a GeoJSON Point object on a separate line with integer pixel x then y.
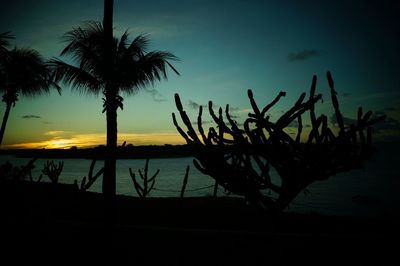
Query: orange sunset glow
{"type": "Point", "coordinates": [58, 140]}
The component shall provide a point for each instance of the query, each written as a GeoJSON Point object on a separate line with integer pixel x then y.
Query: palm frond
{"type": "Point", "coordinates": [75, 76]}
{"type": "Point", "coordinates": [155, 63]}
{"type": "Point", "coordinates": [4, 40]}
{"type": "Point", "coordinates": [139, 46]}
{"type": "Point", "coordinates": [89, 36]}
{"type": "Point", "coordinates": [132, 68]}
{"type": "Point", "coordinates": [123, 41]}
{"type": "Point", "coordinates": [36, 88]}
{"type": "Point", "coordinates": [25, 72]}
{"type": "Point", "coordinates": [134, 74]}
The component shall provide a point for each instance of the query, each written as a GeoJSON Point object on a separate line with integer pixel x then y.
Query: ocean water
{"type": "Point", "coordinates": [374, 190]}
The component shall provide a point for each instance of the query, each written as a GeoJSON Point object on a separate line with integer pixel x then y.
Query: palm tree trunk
{"type": "Point", "coordinates": [4, 123]}
{"type": "Point", "coordinates": [108, 19]}
{"type": "Point", "coordinates": [109, 177]}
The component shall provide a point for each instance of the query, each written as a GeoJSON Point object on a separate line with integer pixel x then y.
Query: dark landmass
{"type": "Point", "coordinates": [126, 152]}
{"type": "Point", "coordinates": [48, 224]}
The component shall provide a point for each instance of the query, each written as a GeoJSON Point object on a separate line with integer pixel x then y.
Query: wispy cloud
{"type": "Point", "coordinates": [234, 116]}
{"type": "Point", "coordinates": [194, 105]}
{"type": "Point", "coordinates": [58, 133]}
{"type": "Point", "coordinates": [246, 110]}
{"type": "Point", "coordinates": [379, 113]}
{"type": "Point", "coordinates": [157, 97]}
{"type": "Point", "coordinates": [346, 120]}
{"type": "Point", "coordinates": [203, 123]}
{"type": "Point", "coordinates": [389, 124]}
{"type": "Point", "coordinates": [294, 123]}
{"type": "Point", "coordinates": [303, 55]}
{"type": "Point", "coordinates": [30, 117]}
{"type": "Point", "coordinates": [234, 109]}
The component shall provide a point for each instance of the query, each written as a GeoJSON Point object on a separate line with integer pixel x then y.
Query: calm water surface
{"type": "Point", "coordinates": [377, 186]}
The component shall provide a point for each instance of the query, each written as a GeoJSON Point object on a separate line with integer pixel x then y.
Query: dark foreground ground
{"type": "Point", "coordinates": [42, 224]}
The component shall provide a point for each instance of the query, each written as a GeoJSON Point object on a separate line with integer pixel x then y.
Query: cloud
{"type": "Point", "coordinates": [345, 94]}
{"type": "Point", "coordinates": [30, 117]}
{"type": "Point", "coordinates": [302, 55]}
{"type": "Point", "coordinates": [157, 97]}
{"type": "Point", "coordinates": [294, 123]}
{"type": "Point", "coordinates": [234, 109]}
{"type": "Point", "coordinates": [390, 109]}
{"type": "Point", "coordinates": [55, 133]}
{"type": "Point", "coordinates": [234, 116]}
{"type": "Point", "coordinates": [379, 113]}
{"type": "Point", "coordinates": [246, 110]}
{"type": "Point", "coordinates": [203, 123]}
{"type": "Point", "coordinates": [193, 105]}
{"type": "Point", "coordinates": [346, 120]}
{"type": "Point", "coordinates": [389, 123]}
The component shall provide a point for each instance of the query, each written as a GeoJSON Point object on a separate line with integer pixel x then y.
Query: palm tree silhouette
{"type": "Point", "coordinates": [110, 67]}
{"type": "Point", "coordinates": [4, 41]}
{"type": "Point", "coordinates": [22, 72]}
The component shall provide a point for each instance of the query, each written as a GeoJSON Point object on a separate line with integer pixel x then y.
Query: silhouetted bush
{"type": "Point", "coordinates": [11, 172]}
{"type": "Point", "coordinates": [86, 183]}
{"type": "Point", "coordinates": [53, 171]}
{"type": "Point", "coordinates": [240, 159]}
{"type": "Point", "coordinates": [148, 182]}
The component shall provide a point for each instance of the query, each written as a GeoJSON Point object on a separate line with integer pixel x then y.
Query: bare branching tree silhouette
{"type": "Point", "coordinates": [86, 183]}
{"type": "Point", "coordinates": [109, 66]}
{"type": "Point", "coordinates": [53, 170]}
{"type": "Point", "coordinates": [240, 159]}
{"type": "Point", "coordinates": [22, 72]}
{"type": "Point", "coordinates": [148, 182]}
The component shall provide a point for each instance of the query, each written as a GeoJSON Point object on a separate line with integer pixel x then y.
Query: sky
{"type": "Point", "coordinates": [225, 48]}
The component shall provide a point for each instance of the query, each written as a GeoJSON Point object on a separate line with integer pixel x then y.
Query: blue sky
{"type": "Point", "coordinates": [225, 47]}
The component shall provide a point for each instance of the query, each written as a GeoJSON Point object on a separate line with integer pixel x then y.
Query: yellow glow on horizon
{"type": "Point", "coordinates": [59, 144]}
{"type": "Point", "coordinates": [65, 140]}
{"type": "Point", "coordinates": [59, 141]}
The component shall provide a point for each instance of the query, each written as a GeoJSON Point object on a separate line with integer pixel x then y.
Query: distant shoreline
{"type": "Point", "coordinates": [128, 152]}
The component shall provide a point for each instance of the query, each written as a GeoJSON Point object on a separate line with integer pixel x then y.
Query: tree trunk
{"type": "Point", "coordinates": [108, 19]}
{"type": "Point", "coordinates": [290, 192]}
{"type": "Point", "coordinates": [109, 177]}
{"type": "Point", "coordinates": [4, 123]}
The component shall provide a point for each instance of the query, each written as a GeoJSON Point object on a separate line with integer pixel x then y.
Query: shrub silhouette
{"type": "Point", "coordinates": [53, 171]}
{"type": "Point", "coordinates": [148, 182]}
{"type": "Point", "coordinates": [10, 172]}
{"type": "Point", "coordinates": [86, 183]}
{"type": "Point", "coordinates": [240, 159]}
